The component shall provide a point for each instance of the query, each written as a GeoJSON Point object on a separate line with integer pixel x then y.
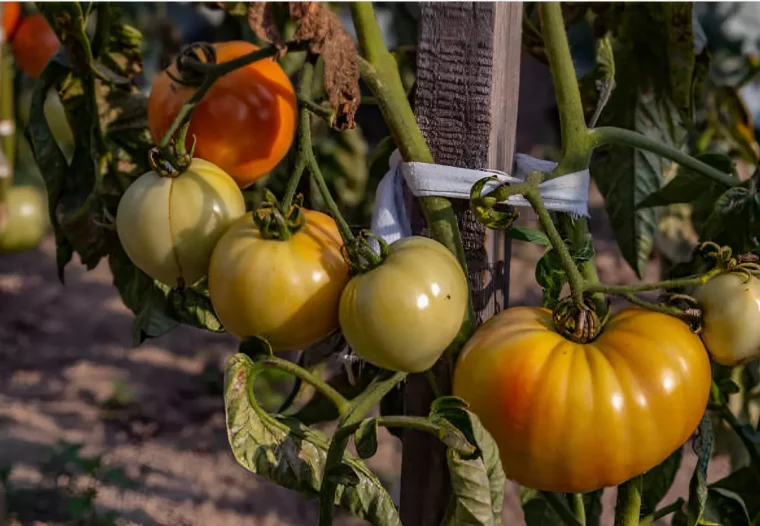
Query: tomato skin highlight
{"type": "Point", "coordinates": [33, 44]}
{"type": "Point", "coordinates": [284, 291]}
{"type": "Point", "coordinates": [246, 122]}
{"type": "Point", "coordinates": [169, 226]}
{"type": "Point", "coordinates": [571, 417]}
{"type": "Point", "coordinates": [26, 221]}
{"type": "Point", "coordinates": [403, 314]}
{"type": "Point", "coordinates": [730, 318]}
{"type": "Point", "coordinates": [11, 17]}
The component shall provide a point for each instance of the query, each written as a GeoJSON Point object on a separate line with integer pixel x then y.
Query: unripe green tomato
{"type": "Point", "coordinates": [403, 314]}
{"type": "Point", "coordinates": [56, 117]}
{"type": "Point", "coordinates": [731, 318]}
{"type": "Point", "coordinates": [23, 219]}
{"type": "Point", "coordinates": [169, 226]}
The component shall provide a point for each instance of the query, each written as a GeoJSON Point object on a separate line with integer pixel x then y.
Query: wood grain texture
{"type": "Point", "coordinates": [466, 108]}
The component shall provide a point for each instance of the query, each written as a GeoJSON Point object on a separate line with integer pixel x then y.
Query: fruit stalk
{"type": "Point", "coordinates": [628, 507]}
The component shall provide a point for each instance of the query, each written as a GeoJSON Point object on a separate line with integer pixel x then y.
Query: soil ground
{"type": "Point", "coordinates": [64, 351]}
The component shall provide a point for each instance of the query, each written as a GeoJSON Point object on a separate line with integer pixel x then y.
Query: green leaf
{"type": "Point", "coordinates": [657, 481]}
{"type": "Point", "coordinates": [592, 502]}
{"type": "Point", "coordinates": [538, 511]}
{"type": "Point", "coordinates": [365, 438]}
{"type": "Point", "coordinates": [702, 444]}
{"type": "Point", "coordinates": [292, 455]}
{"type": "Point", "coordinates": [744, 483]}
{"type": "Point", "coordinates": [530, 235]}
{"type": "Point", "coordinates": [343, 474]}
{"type": "Point", "coordinates": [551, 276]}
{"type": "Point", "coordinates": [734, 221]}
{"type": "Point", "coordinates": [653, 101]}
{"type": "Point", "coordinates": [688, 186]}
{"type": "Point", "coordinates": [725, 508]}
{"type": "Point", "coordinates": [477, 482]}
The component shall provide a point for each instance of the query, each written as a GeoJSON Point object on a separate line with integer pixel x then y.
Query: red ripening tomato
{"type": "Point", "coordinates": [33, 44]}
{"type": "Point", "coordinates": [574, 417]}
{"type": "Point", "coordinates": [11, 16]}
{"type": "Point", "coordinates": [246, 122]}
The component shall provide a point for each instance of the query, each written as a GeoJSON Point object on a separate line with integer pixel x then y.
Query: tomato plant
{"type": "Point", "coordinates": [33, 43]}
{"type": "Point", "coordinates": [286, 291]}
{"type": "Point", "coordinates": [565, 399]}
{"type": "Point", "coordinates": [170, 224]}
{"type": "Point", "coordinates": [525, 381]}
{"type": "Point", "coordinates": [402, 315]}
{"type": "Point", "coordinates": [244, 125]}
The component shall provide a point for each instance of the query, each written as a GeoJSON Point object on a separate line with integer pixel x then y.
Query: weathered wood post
{"type": "Point", "coordinates": [468, 65]}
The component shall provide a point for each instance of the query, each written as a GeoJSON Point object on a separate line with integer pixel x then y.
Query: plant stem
{"type": "Point", "coordinates": [578, 508]}
{"type": "Point", "coordinates": [664, 309]}
{"type": "Point", "coordinates": [619, 136]}
{"type": "Point", "coordinates": [338, 400]}
{"type": "Point", "coordinates": [319, 110]}
{"type": "Point", "coordinates": [574, 278]}
{"type": "Point", "coordinates": [302, 155]}
{"type": "Point", "coordinates": [628, 507]}
{"type": "Point", "coordinates": [346, 426]}
{"type": "Point", "coordinates": [622, 290]}
{"type": "Point", "coordinates": [433, 381]}
{"type": "Point", "coordinates": [558, 502]}
{"type": "Point", "coordinates": [662, 512]}
{"type": "Point", "coordinates": [213, 72]}
{"type": "Point", "coordinates": [730, 418]}
{"type": "Point", "coordinates": [575, 139]}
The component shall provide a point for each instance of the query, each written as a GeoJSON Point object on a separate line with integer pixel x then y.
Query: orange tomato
{"type": "Point", "coordinates": [573, 417]}
{"type": "Point", "coordinates": [246, 122]}
{"type": "Point", "coordinates": [33, 44]}
{"type": "Point", "coordinates": [11, 16]}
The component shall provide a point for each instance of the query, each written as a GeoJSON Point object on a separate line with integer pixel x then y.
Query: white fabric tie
{"type": "Point", "coordinates": [568, 193]}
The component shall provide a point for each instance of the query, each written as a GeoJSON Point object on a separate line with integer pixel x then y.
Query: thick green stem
{"type": "Point", "coordinates": [628, 507]}
{"type": "Point", "coordinates": [347, 425]}
{"type": "Point", "coordinates": [319, 110]}
{"type": "Point", "coordinates": [558, 502]}
{"type": "Point", "coordinates": [575, 138]}
{"type": "Point", "coordinates": [578, 507]}
{"type": "Point", "coordinates": [304, 91]}
{"type": "Point", "coordinates": [662, 512]}
{"type": "Point", "coordinates": [680, 283]}
{"type": "Point", "coordinates": [622, 137]}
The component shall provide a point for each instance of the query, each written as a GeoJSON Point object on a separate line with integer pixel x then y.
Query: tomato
{"type": "Point", "coordinates": [403, 314]}
{"type": "Point", "coordinates": [246, 122]}
{"type": "Point", "coordinates": [25, 220]}
{"type": "Point", "coordinates": [11, 16]}
{"type": "Point", "coordinates": [284, 291]}
{"type": "Point", "coordinates": [573, 417]}
{"type": "Point", "coordinates": [33, 44]}
{"type": "Point", "coordinates": [169, 226]}
{"type": "Point", "coordinates": [731, 318]}
{"type": "Point", "coordinates": [56, 117]}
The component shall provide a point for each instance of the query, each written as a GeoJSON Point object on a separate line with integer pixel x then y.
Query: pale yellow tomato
{"type": "Point", "coordinates": [286, 291]}
{"type": "Point", "coordinates": [403, 314]}
{"type": "Point", "coordinates": [573, 417]}
{"type": "Point", "coordinates": [23, 219]}
{"type": "Point", "coordinates": [731, 318]}
{"type": "Point", "coordinates": [169, 226]}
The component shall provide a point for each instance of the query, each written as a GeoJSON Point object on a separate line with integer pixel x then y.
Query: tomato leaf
{"type": "Point", "coordinates": [551, 276]}
{"type": "Point", "coordinates": [537, 510]}
{"type": "Point", "coordinates": [743, 483]}
{"type": "Point", "coordinates": [592, 503]}
{"type": "Point", "coordinates": [657, 481]}
{"type": "Point", "coordinates": [688, 186]}
{"type": "Point", "coordinates": [734, 220]}
{"type": "Point", "coordinates": [365, 438]}
{"type": "Point", "coordinates": [702, 445]}
{"type": "Point", "coordinates": [725, 508]}
{"type": "Point", "coordinates": [292, 455]}
{"type": "Point", "coordinates": [651, 99]}
{"type": "Point", "coordinates": [531, 235]}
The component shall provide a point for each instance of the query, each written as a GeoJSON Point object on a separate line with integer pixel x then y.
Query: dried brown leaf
{"type": "Point", "coordinates": [328, 38]}
{"type": "Point", "coordinates": [262, 23]}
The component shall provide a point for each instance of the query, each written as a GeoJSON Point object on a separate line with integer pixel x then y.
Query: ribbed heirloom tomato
{"type": "Point", "coordinates": [169, 226]}
{"type": "Point", "coordinates": [286, 291]}
{"type": "Point", "coordinates": [246, 122]}
{"type": "Point", "coordinates": [33, 44]}
{"type": "Point", "coordinates": [573, 417]}
{"type": "Point", "coordinates": [24, 221]}
{"type": "Point", "coordinates": [731, 318]}
{"type": "Point", "coordinates": [403, 314]}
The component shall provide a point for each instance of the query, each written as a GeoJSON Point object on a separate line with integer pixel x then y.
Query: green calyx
{"type": "Point", "coordinates": [361, 256]}
{"type": "Point", "coordinates": [175, 159]}
{"type": "Point", "coordinates": [187, 64]}
{"type": "Point", "coordinates": [276, 223]}
{"type": "Point", "coordinates": [579, 323]}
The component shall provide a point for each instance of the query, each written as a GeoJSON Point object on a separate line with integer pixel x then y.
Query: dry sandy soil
{"type": "Point", "coordinates": [63, 347]}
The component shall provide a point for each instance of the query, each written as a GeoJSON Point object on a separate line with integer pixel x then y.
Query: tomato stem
{"type": "Point", "coordinates": [628, 506]}
{"type": "Point", "coordinates": [578, 507]}
{"type": "Point", "coordinates": [347, 425]}
{"type": "Point", "coordinates": [324, 112]}
{"type": "Point", "coordinates": [662, 512]}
